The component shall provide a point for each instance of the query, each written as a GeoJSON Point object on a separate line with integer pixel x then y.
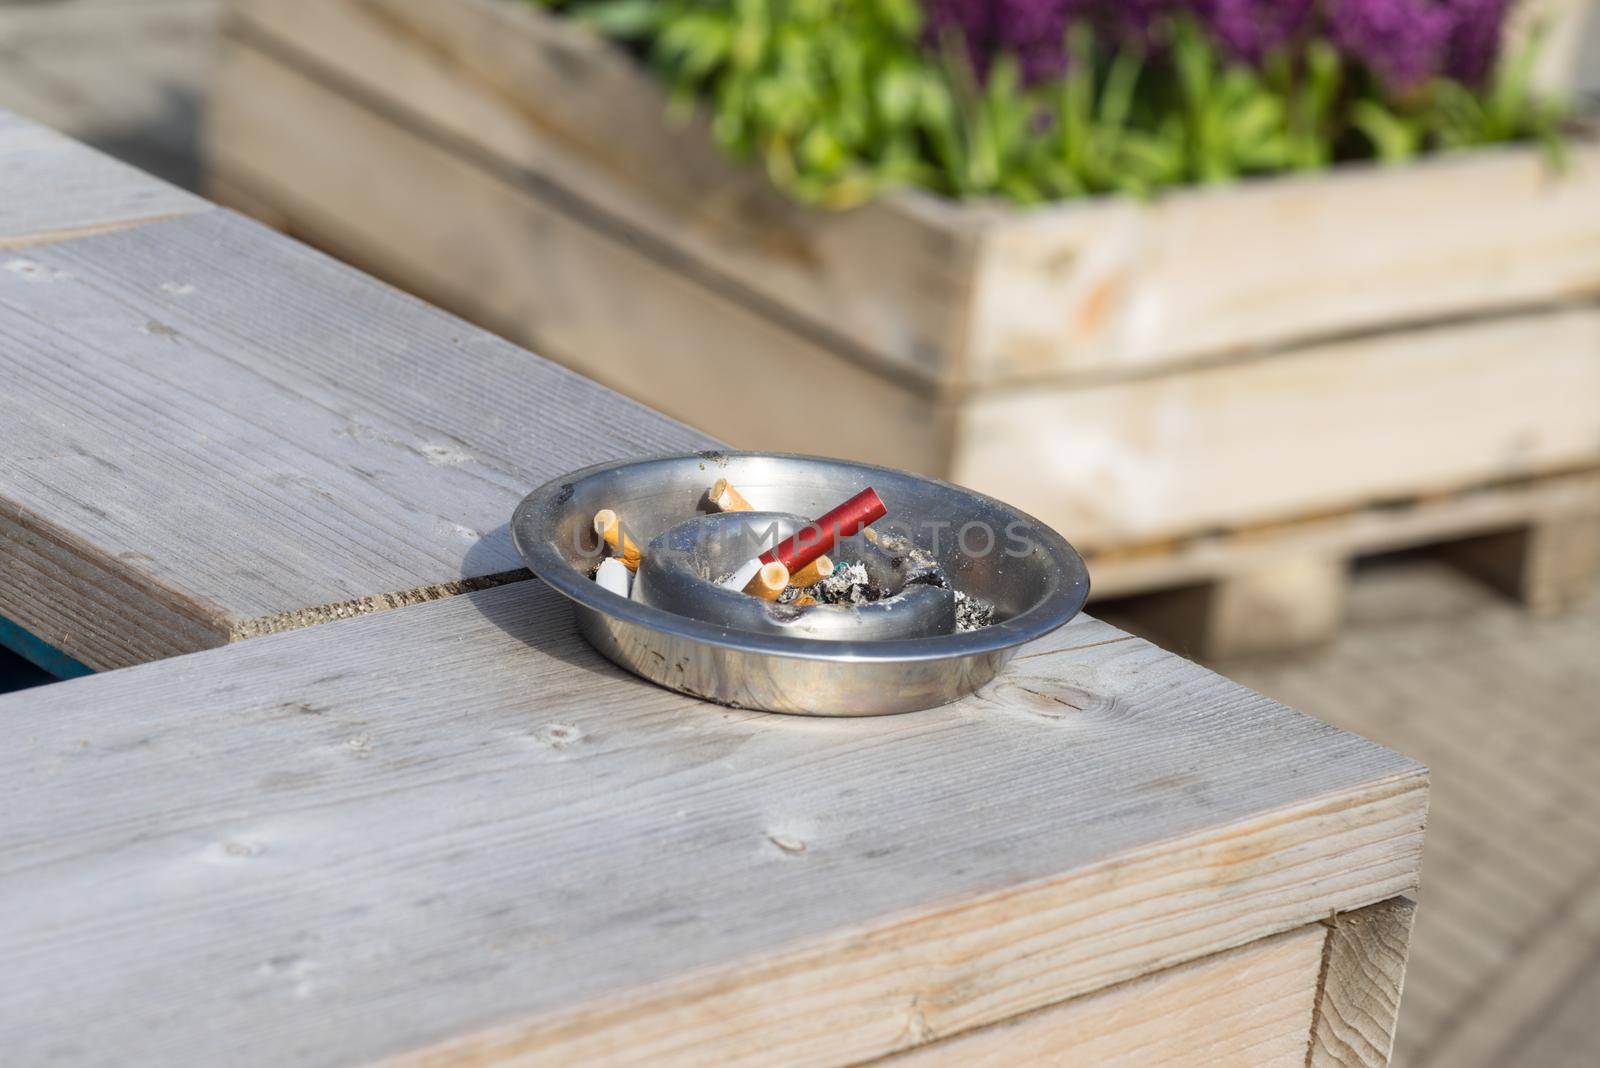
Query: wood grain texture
{"type": "Point", "coordinates": [1249, 1006]}
{"type": "Point", "coordinates": [591, 299]}
{"type": "Point", "coordinates": [213, 432]}
{"type": "Point", "coordinates": [965, 294]}
{"type": "Point", "coordinates": [55, 188]}
{"type": "Point", "coordinates": [1359, 1003]}
{"type": "Point", "coordinates": [452, 834]}
{"type": "Point", "coordinates": [1295, 259]}
{"type": "Point", "coordinates": [1325, 428]}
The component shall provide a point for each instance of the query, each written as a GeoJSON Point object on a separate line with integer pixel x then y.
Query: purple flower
{"type": "Point", "coordinates": [1474, 38]}
{"type": "Point", "coordinates": [1252, 28]}
{"type": "Point", "coordinates": [1401, 41]}
{"type": "Point", "coordinates": [1034, 31]}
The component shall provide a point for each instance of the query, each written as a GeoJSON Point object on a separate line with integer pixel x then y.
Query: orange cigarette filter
{"type": "Point", "coordinates": [813, 573]}
{"type": "Point", "coordinates": [609, 527]}
{"type": "Point", "coordinates": [728, 499]}
{"type": "Point", "coordinates": [769, 583]}
{"type": "Point", "coordinates": [805, 601]}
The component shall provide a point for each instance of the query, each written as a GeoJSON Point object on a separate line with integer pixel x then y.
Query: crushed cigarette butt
{"type": "Point", "coordinates": [609, 527]}
{"type": "Point", "coordinates": [814, 572]}
{"type": "Point", "coordinates": [728, 499]}
{"type": "Point", "coordinates": [769, 582]}
{"type": "Point", "coordinates": [613, 575]}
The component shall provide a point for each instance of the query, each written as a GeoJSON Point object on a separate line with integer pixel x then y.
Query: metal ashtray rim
{"type": "Point", "coordinates": [534, 534]}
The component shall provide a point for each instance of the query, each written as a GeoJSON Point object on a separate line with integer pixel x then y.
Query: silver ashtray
{"type": "Point", "coordinates": [679, 629]}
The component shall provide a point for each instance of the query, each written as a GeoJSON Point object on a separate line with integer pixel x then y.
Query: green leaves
{"type": "Point", "coordinates": [841, 100]}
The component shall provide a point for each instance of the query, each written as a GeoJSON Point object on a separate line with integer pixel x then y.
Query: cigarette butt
{"type": "Point", "coordinates": [804, 601]}
{"type": "Point", "coordinates": [614, 575]}
{"type": "Point", "coordinates": [728, 499]}
{"type": "Point", "coordinates": [769, 582]}
{"type": "Point", "coordinates": [812, 573]}
{"type": "Point", "coordinates": [609, 527]}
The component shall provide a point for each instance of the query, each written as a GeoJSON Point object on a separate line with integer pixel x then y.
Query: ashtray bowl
{"type": "Point", "coordinates": [1030, 574]}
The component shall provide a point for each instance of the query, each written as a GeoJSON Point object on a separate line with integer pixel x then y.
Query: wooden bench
{"type": "Point", "coordinates": [451, 833]}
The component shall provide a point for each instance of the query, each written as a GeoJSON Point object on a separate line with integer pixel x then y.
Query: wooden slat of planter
{"type": "Point", "coordinates": [1210, 272]}
{"type": "Point", "coordinates": [885, 285]}
{"type": "Point", "coordinates": [684, 346]}
{"type": "Point", "coordinates": [1247, 1006]}
{"type": "Point", "coordinates": [55, 187]}
{"type": "Point", "coordinates": [963, 294]}
{"type": "Point", "coordinates": [214, 432]}
{"type": "Point", "coordinates": [452, 827]}
{"type": "Point", "coordinates": [1325, 428]}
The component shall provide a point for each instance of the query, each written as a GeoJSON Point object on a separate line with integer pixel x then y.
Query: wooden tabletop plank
{"type": "Point", "coordinates": [452, 831]}
{"type": "Point", "coordinates": [55, 187]}
{"type": "Point", "coordinates": [213, 432]}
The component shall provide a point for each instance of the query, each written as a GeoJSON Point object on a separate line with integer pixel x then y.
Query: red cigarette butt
{"type": "Point", "coordinates": [812, 541]}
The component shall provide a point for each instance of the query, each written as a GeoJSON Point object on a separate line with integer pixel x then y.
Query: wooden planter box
{"type": "Point", "coordinates": [1262, 379]}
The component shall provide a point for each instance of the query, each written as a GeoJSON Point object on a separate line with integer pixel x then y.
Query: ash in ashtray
{"type": "Point", "coordinates": [972, 613]}
{"type": "Point", "coordinates": [849, 584]}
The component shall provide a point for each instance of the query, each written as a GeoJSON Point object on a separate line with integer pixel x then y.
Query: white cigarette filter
{"type": "Point", "coordinates": [813, 573]}
{"type": "Point", "coordinates": [728, 499]}
{"type": "Point", "coordinates": [769, 582]}
{"type": "Point", "coordinates": [614, 575]}
{"type": "Point", "coordinates": [741, 578]}
{"type": "Point", "coordinates": [609, 527]}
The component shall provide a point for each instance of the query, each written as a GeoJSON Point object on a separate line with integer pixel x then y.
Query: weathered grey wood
{"type": "Point", "coordinates": [452, 827]}
{"type": "Point", "coordinates": [1363, 974]}
{"type": "Point", "coordinates": [213, 432]}
{"type": "Point", "coordinates": [52, 187]}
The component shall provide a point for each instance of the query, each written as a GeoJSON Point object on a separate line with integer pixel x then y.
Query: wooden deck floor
{"type": "Point", "coordinates": [1505, 959]}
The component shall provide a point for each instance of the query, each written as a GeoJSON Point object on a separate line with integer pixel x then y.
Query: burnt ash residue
{"type": "Point", "coordinates": [851, 584]}
{"type": "Point", "coordinates": [972, 613]}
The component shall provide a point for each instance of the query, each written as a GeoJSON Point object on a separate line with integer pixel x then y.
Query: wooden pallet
{"type": "Point", "coordinates": [1277, 587]}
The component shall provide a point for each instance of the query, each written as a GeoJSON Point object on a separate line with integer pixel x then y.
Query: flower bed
{"type": "Point", "coordinates": [1039, 100]}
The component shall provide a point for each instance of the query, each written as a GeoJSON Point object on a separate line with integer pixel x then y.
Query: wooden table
{"type": "Point", "coordinates": [413, 818]}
